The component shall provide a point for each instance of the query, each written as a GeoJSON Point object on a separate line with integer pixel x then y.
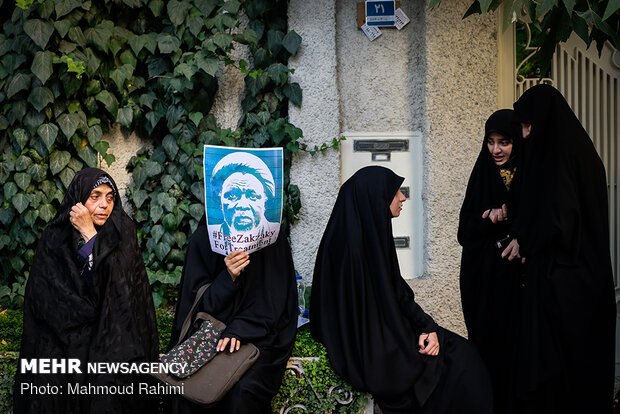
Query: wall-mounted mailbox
{"type": "Point", "coordinates": [402, 153]}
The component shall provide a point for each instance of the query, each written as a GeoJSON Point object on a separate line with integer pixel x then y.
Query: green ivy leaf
{"type": "Point", "coordinates": [125, 116]}
{"type": "Point", "coordinates": [99, 35]}
{"type": "Point", "coordinates": [66, 176]}
{"type": "Point", "coordinates": [156, 232]}
{"type": "Point", "coordinates": [10, 189]}
{"type": "Point", "coordinates": [101, 147]}
{"type": "Point", "coordinates": [197, 210]}
{"type": "Point", "coordinates": [22, 180]}
{"type": "Point", "coordinates": [208, 65]}
{"type": "Point", "coordinates": [38, 172]}
{"type": "Point", "coordinates": [156, 7]}
{"type": "Point", "coordinates": [177, 11]}
{"type": "Point", "coordinates": [76, 35]}
{"type": "Point", "coordinates": [139, 197]}
{"type": "Point", "coordinates": [274, 41]}
{"type": "Point", "coordinates": [22, 137]}
{"type": "Point", "coordinates": [94, 135]}
{"type": "Point", "coordinates": [223, 40]}
{"type": "Point", "coordinates": [30, 217]}
{"type": "Point", "coordinates": [47, 212]}
{"type": "Point", "coordinates": [108, 100]}
{"type": "Point", "coordinates": [167, 202]}
{"type": "Point", "coordinates": [40, 97]}
{"type": "Point", "coordinates": [18, 82]}
{"type": "Point", "coordinates": [68, 123]}
{"type": "Point", "coordinates": [66, 6]}
{"type": "Point", "coordinates": [152, 168]}
{"type": "Point", "coordinates": [20, 202]}
{"type": "Point", "coordinates": [22, 163]}
{"type": "Point", "coordinates": [291, 42]}
{"type": "Point", "coordinates": [39, 31]}
{"type": "Point", "coordinates": [186, 70]}
{"type": "Point", "coordinates": [170, 222]}
{"type": "Point", "coordinates": [62, 27]}
{"type": "Point", "coordinates": [58, 161]}
{"type": "Point", "coordinates": [293, 92]}
{"type": "Point", "coordinates": [168, 43]}
{"type": "Point", "coordinates": [48, 134]}
{"type": "Point", "coordinates": [196, 117]}
{"type": "Point", "coordinates": [170, 146]}
{"type": "Point", "coordinates": [167, 182]}
{"type": "Point", "coordinates": [89, 155]}
{"type": "Point", "coordinates": [206, 7]}
{"type": "Point", "coordinates": [161, 250]}
{"type": "Point", "coordinates": [612, 7]}
{"type": "Point", "coordinates": [121, 74]}
{"type": "Point", "coordinates": [42, 65]}
{"type": "Point", "coordinates": [156, 212]}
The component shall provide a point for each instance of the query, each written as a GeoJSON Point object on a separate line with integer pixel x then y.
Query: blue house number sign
{"type": "Point", "coordinates": [380, 13]}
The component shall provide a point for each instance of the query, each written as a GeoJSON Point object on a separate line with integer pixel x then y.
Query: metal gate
{"type": "Point", "coordinates": [590, 84]}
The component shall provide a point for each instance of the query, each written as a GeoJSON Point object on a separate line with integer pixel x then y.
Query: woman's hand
{"type": "Point", "coordinates": [223, 342]}
{"type": "Point", "coordinates": [496, 214]}
{"type": "Point", "coordinates": [236, 262]}
{"type": "Point", "coordinates": [80, 218]}
{"type": "Point", "coordinates": [512, 251]}
{"type": "Point", "coordinates": [429, 344]}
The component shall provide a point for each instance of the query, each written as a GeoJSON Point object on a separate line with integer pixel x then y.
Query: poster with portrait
{"type": "Point", "coordinates": [243, 197]}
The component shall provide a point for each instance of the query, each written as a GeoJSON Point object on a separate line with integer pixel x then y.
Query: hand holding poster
{"type": "Point", "coordinates": [243, 197]}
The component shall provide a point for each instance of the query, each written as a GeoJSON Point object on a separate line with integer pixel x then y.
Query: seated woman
{"type": "Point", "coordinates": [491, 284]}
{"type": "Point", "coordinates": [377, 337]}
{"type": "Point", "coordinates": [256, 297]}
{"type": "Point", "coordinates": [88, 298]}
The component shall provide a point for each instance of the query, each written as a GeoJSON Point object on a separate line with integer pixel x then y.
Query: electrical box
{"type": "Point", "coordinates": [402, 153]}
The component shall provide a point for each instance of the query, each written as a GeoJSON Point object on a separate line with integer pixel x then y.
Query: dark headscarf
{"type": "Point", "coordinates": [562, 228]}
{"type": "Point", "coordinates": [109, 318]}
{"type": "Point", "coordinates": [361, 308]}
{"type": "Point", "coordinates": [485, 189]}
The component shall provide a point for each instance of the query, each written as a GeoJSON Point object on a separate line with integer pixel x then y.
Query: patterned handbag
{"type": "Point", "coordinates": [211, 374]}
{"type": "Point", "coordinates": [196, 351]}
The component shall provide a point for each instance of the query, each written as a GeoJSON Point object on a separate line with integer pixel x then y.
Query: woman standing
{"type": "Point", "coordinates": [490, 280]}
{"type": "Point", "coordinates": [563, 232]}
{"type": "Point", "coordinates": [88, 298]}
{"type": "Point", "coordinates": [255, 296]}
{"type": "Point", "coordinates": [377, 337]}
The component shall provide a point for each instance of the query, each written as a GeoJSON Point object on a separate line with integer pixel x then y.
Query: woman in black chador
{"type": "Point", "coordinates": [255, 296]}
{"type": "Point", "coordinates": [87, 298]}
{"type": "Point", "coordinates": [377, 337]}
{"type": "Point", "coordinates": [567, 357]}
{"type": "Point", "coordinates": [491, 283]}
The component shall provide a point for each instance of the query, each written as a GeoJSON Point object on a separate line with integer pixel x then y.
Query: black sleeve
{"type": "Point", "coordinates": [419, 319]}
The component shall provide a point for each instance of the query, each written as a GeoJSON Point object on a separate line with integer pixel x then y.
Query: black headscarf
{"type": "Point", "coordinates": [486, 189]}
{"type": "Point", "coordinates": [562, 228]}
{"type": "Point", "coordinates": [109, 318]}
{"type": "Point", "coordinates": [259, 307]}
{"type": "Point", "coordinates": [361, 308]}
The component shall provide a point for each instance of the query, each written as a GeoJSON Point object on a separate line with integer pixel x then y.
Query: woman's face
{"type": "Point", "coordinates": [397, 203]}
{"type": "Point", "coordinates": [499, 147]}
{"type": "Point", "coordinates": [100, 204]}
{"type": "Point", "coordinates": [527, 129]}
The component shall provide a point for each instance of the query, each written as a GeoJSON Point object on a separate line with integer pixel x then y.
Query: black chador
{"type": "Point", "coordinates": [567, 349]}
{"type": "Point", "coordinates": [104, 314]}
{"type": "Point", "coordinates": [491, 286]}
{"type": "Point", "coordinates": [365, 313]}
{"type": "Point", "coordinates": [260, 307]}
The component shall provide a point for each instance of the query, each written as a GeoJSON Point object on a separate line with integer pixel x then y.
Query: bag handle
{"type": "Point", "coordinates": [188, 319]}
